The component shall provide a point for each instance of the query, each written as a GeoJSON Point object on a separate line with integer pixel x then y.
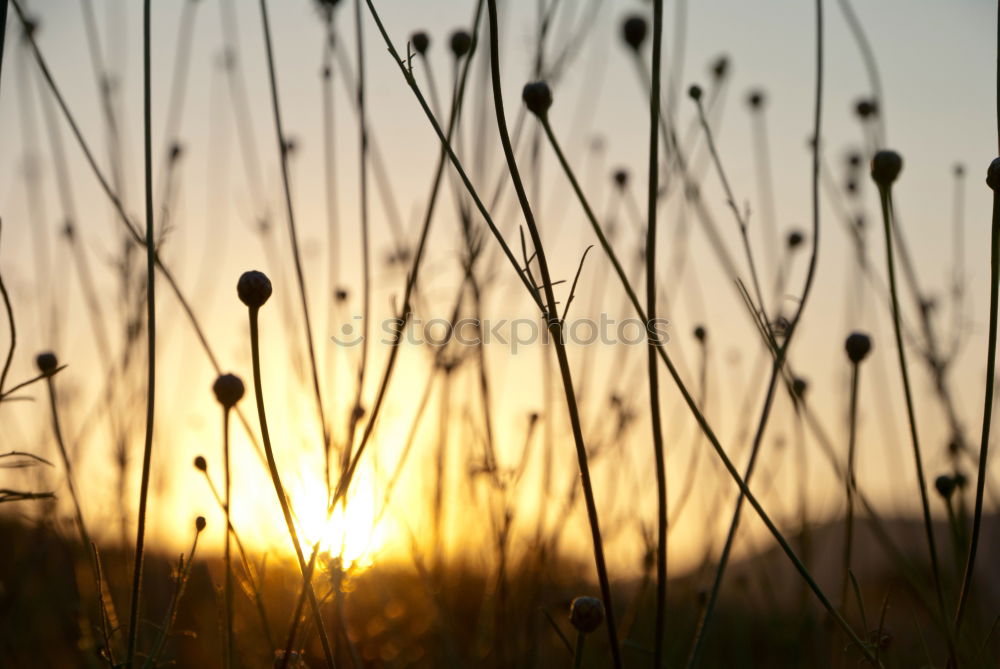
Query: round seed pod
{"type": "Point", "coordinates": [700, 334]}
{"type": "Point", "coordinates": [46, 362]}
{"type": "Point", "coordinates": [199, 523]}
{"type": "Point", "coordinates": [586, 614]}
{"type": "Point", "coordinates": [886, 166]}
{"type": "Point", "coordinates": [634, 31]}
{"type": "Point", "coordinates": [993, 174]}
{"type": "Point", "coordinates": [420, 41]}
{"type": "Point", "coordinates": [795, 239]}
{"type": "Point", "coordinates": [621, 177]}
{"type": "Point", "coordinates": [254, 288]}
{"type": "Point", "coordinates": [858, 345]}
{"type": "Point", "coordinates": [866, 109]}
{"type": "Point", "coordinates": [694, 92]}
{"type": "Point", "coordinates": [945, 485]}
{"type": "Point", "coordinates": [799, 387]}
{"type": "Point", "coordinates": [537, 98]}
{"type": "Point", "coordinates": [228, 390]}
{"type": "Point", "coordinates": [200, 464]}
{"type": "Point", "coordinates": [854, 159]}
{"type": "Point", "coordinates": [720, 68]}
{"type": "Point", "coordinates": [755, 99]}
{"type": "Point", "coordinates": [461, 43]}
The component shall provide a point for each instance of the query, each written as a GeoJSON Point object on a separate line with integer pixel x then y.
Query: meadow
{"type": "Point", "coordinates": [462, 333]}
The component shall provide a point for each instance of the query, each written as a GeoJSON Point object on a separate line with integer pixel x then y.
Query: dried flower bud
{"type": "Point", "coordinates": [795, 239]}
{"type": "Point", "coordinates": [621, 177]}
{"type": "Point", "coordinates": [228, 390]}
{"type": "Point", "coordinates": [46, 362]}
{"type": "Point", "coordinates": [959, 170]}
{"type": "Point", "coordinates": [866, 109]}
{"type": "Point", "coordinates": [634, 31]}
{"type": "Point", "coordinates": [886, 166]}
{"type": "Point", "coordinates": [199, 523]}
{"type": "Point", "coordinates": [340, 294]}
{"type": "Point", "coordinates": [858, 345]}
{"type": "Point", "coordinates": [176, 149]}
{"type": "Point", "coordinates": [993, 174]}
{"type": "Point", "coordinates": [586, 614]}
{"type": "Point", "coordinates": [461, 43]}
{"type": "Point", "coordinates": [945, 485]}
{"type": "Point", "coordinates": [694, 92]}
{"type": "Point", "coordinates": [854, 159]}
{"type": "Point", "coordinates": [254, 288]}
{"type": "Point", "coordinates": [755, 99]}
{"type": "Point", "coordinates": [700, 334]}
{"type": "Point", "coordinates": [420, 42]}
{"type": "Point", "coordinates": [200, 464]}
{"type": "Point", "coordinates": [720, 67]}
{"type": "Point", "coordinates": [799, 387]}
{"type": "Point", "coordinates": [537, 97]}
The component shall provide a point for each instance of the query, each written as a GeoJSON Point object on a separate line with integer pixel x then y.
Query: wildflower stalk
{"type": "Point", "coordinates": [147, 452]}
{"type": "Point", "coordinates": [660, 629]}
{"type": "Point", "coordinates": [279, 488]}
{"type": "Point", "coordinates": [858, 346]}
{"type": "Point", "coordinates": [991, 359]}
{"type": "Point", "coordinates": [555, 326]}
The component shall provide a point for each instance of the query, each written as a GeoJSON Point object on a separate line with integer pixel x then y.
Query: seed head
{"type": "Point", "coordinates": [755, 99]}
{"type": "Point", "coordinates": [993, 174]}
{"type": "Point", "coordinates": [46, 363]}
{"type": "Point", "coordinates": [634, 31]}
{"type": "Point", "coordinates": [795, 239]}
{"type": "Point", "coordinates": [720, 68]}
{"type": "Point", "coordinates": [200, 464]}
{"type": "Point", "coordinates": [586, 614]}
{"type": "Point", "coordinates": [960, 480]}
{"type": "Point", "coordinates": [694, 92]}
{"type": "Point", "coordinates": [854, 159]}
{"type": "Point", "coordinates": [621, 177]}
{"type": "Point", "coordinates": [340, 294]}
{"type": "Point", "coordinates": [886, 166]}
{"type": "Point", "coordinates": [858, 345]}
{"type": "Point", "coordinates": [228, 390]}
{"type": "Point", "coordinates": [461, 43]}
{"type": "Point", "coordinates": [420, 42]}
{"type": "Point", "coordinates": [945, 485]}
{"type": "Point", "coordinates": [537, 97]}
{"type": "Point", "coordinates": [199, 523]}
{"type": "Point", "coordinates": [959, 170]}
{"type": "Point", "coordinates": [799, 387]}
{"type": "Point", "coordinates": [176, 149]}
{"type": "Point", "coordinates": [700, 334]}
{"type": "Point", "coordinates": [866, 109]}
{"type": "Point", "coordinates": [254, 288]}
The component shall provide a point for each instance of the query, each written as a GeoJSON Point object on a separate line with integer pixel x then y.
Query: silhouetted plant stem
{"type": "Point", "coordinates": [292, 233]}
{"type": "Point", "coordinates": [280, 490]}
{"type": "Point", "coordinates": [849, 486]}
{"type": "Point", "coordinates": [885, 196]}
{"type": "Point", "coordinates": [147, 452]}
{"type": "Point", "coordinates": [554, 325]}
{"type": "Point", "coordinates": [227, 555]}
{"type": "Point", "coordinates": [9, 309]}
{"type": "Point", "coordinates": [991, 355]}
{"type": "Point", "coordinates": [659, 631]}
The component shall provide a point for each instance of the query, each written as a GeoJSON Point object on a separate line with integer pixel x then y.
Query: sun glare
{"type": "Point", "coordinates": [348, 533]}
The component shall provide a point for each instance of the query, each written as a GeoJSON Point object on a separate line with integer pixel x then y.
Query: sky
{"type": "Point", "coordinates": [937, 65]}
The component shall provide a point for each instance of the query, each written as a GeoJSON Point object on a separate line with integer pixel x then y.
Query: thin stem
{"type": "Point", "coordinates": [147, 452]}
{"type": "Point", "coordinates": [554, 325]}
{"type": "Point", "coordinates": [991, 359]}
{"type": "Point", "coordinates": [279, 488]}
{"type": "Point", "coordinates": [885, 195]}
{"type": "Point", "coordinates": [659, 632]}
{"type": "Point", "coordinates": [292, 233]}
{"type": "Point", "coordinates": [849, 485]}
{"type": "Point", "coordinates": [228, 593]}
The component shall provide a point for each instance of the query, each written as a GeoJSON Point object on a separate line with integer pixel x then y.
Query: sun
{"type": "Point", "coordinates": [350, 532]}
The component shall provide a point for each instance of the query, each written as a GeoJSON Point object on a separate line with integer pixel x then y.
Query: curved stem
{"type": "Point", "coordinates": [279, 488]}
{"type": "Point", "coordinates": [554, 324]}
{"type": "Point", "coordinates": [659, 631]}
{"type": "Point", "coordinates": [147, 451]}
{"type": "Point", "coordinates": [849, 485]}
